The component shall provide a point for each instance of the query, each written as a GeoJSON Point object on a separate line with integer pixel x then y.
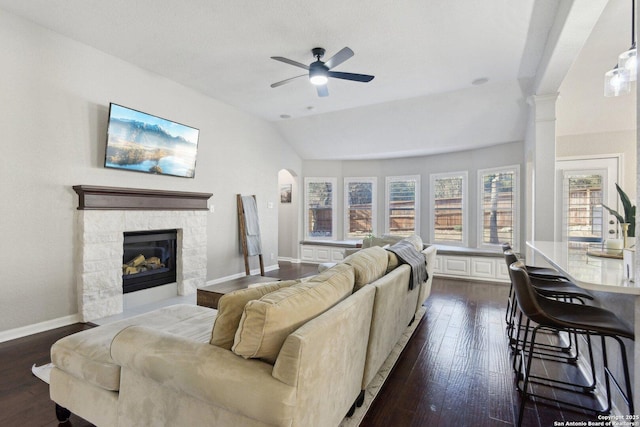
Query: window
{"type": "Point", "coordinates": [320, 203]}
{"type": "Point", "coordinates": [499, 206]}
{"type": "Point", "coordinates": [449, 208]}
{"type": "Point", "coordinates": [360, 207]}
{"type": "Point", "coordinates": [583, 204]}
{"type": "Point", "coordinates": [587, 184]}
{"type": "Point", "coordinates": [402, 211]}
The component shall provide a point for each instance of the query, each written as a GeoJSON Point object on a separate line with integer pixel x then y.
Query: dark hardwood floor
{"type": "Point", "coordinates": [455, 370]}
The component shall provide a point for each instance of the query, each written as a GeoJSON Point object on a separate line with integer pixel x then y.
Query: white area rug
{"type": "Point", "coordinates": [43, 372]}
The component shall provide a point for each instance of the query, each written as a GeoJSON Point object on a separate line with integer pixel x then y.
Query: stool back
{"type": "Point", "coordinates": [526, 295]}
{"type": "Point", "coordinates": [510, 258]}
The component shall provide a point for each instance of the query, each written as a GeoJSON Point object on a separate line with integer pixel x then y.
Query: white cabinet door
{"type": "Point", "coordinates": [456, 266]}
{"type": "Point", "coordinates": [483, 267]}
{"type": "Point", "coordinates": [320, 254]}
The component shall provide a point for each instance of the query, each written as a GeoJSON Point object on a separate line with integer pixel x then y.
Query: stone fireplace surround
{"type": "Point", "coordinates": [105, 213]}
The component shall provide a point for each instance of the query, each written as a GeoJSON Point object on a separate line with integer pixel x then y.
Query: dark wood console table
{"type": "Point", "coordinates": [209, 296]}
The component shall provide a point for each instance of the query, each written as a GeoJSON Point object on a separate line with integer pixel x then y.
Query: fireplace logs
{"type": "Point", "coordinates": [149, 259]}
{"type": "Point", "coordinates": [141, 264]}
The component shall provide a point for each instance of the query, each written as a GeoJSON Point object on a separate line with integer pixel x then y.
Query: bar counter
{"type": "Point", "coordinates": [590, 272]}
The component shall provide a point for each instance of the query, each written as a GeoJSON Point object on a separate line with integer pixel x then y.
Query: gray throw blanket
{"type": "Point", "coordinates": [252, 227]}
{"type": "Point", "coordinates": [407, 254]}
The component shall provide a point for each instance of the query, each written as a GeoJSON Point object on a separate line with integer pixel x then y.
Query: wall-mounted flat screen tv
{"type": "Point", "coordinates": [141, 142]}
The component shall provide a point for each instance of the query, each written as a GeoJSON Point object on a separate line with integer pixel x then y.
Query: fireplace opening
{"type": "Point", "coordinates": [149, 259]}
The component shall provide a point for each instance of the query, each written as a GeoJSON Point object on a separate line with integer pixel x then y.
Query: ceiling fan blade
{"type": "Point", "coordinates": [339, 58]}
{"type": "Point", "coordinates": [290, 62]}
{"type": "Point", "coordinates": [350, 76]}
{"type": "Point", "coordinates": [276, 84]}
{"type": "Point", "coordinates": [322, 90]}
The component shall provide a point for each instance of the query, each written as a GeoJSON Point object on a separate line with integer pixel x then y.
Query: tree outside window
{"type": "Point", "coordinates": [320, 202]}
{"type": "Point", "coordinates": [499, 206]}
{"type": "Point", "coordinates": [359, 207]}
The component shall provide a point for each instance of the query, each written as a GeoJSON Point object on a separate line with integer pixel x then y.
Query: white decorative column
{"type": "Point", "coordinates": [106, 213]}
{"type": "Point", "coordinates": [543, 164]}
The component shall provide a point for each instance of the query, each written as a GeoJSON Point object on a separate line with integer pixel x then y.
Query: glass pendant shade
{"type": "Point", "coordinates": [616, 82]}
{"type": "Point", "coordinates": [628, 62]}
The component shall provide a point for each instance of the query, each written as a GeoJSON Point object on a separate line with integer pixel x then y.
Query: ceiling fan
{"type": "Point", "coordinates": [319, 71]}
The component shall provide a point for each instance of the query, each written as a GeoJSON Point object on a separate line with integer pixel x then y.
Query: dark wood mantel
{"type": "Point", "coordinates": [115, 198]}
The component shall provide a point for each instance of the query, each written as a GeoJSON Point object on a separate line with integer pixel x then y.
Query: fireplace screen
{"type": "Point", "coordinates": [149, 259]}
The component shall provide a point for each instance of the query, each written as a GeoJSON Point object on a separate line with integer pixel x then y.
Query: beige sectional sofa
{"type": "Point", "coordinates": [290, 353]}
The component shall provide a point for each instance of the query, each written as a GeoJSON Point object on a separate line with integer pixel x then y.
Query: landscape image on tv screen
{"type": "Point", "coordinates": [141, 142]}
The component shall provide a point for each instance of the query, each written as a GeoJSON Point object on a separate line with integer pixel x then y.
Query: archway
{"type": "Point", "coordinates": [288, 216]}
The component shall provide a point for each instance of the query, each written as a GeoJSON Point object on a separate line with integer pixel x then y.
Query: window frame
{"type": "Point", "coordinates": [388, 181]}
{"type": "Point", "coordinates": [334, 207]}
{"type": "Point", "coordinates": [374, 203]}
{"type": "Point", "coordinates": [465, 207]}
{"type": "Point", "coordinates": [515, 169]}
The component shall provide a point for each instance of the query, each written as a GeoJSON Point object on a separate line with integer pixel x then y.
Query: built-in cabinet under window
{"type": "Point", "coordinates": [483, 268]}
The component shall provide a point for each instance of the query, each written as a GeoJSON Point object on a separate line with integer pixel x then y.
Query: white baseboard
{"type": "Point", "coordinates": [291, 260]}
{"type": "Point", "coordinates": [23, 331]}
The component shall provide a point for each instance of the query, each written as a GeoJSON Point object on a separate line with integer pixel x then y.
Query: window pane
{"type": "Point", "coordinates": [402, 207]}
{"type": "Point", "coordinates": [498, 207]}
{"type": "Point", "coordinates": [584, 219]}
{"type": "Point", "coordinates": [320, 209]}
{"type": "Point", "coordinates": [360, 209]}
{"type": "Point", "coordinates": [448, 204]}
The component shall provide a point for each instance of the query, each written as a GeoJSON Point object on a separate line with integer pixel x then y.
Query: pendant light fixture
{"type": "Point", "coordinates": [618, 80]}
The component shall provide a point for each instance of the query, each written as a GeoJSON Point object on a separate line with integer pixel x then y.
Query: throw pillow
{"type": "Point", "coordinates": [230, 308]}
{"type": "Point", "coordinates": [416, 241]}
{"type": "Point", "coordinates": [393, 262]}
{"type": "Point", "coordinates": [369, 264]}
{"type": "Point", "coordinates": [266, 323]}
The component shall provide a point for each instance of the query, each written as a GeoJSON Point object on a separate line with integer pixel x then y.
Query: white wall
{"type": "Point", "coordinates": [592, 144]}
{"type": "Point", "coordinates": [470, 161]}
{"type": "Point", "coordinates": [288, 219]}
{"type": "Point", "coordinates": [55, 97]}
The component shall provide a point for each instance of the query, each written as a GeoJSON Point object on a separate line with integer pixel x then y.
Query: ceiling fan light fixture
{"type": "Point", "coordinates": [318, 74]}
{"type": "Point", "coordinates": [318, 80]}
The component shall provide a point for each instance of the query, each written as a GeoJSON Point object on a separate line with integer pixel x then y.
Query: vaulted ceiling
{"type": "Point", "coordinates": [449, 74]}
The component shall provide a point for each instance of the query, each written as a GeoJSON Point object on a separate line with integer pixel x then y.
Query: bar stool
{"type": "Point", "coordinates": [557, 288]}
{"type": "Point", "coordinates": [562, 316]}
{"type": "Point", "coordinates": [542, 272]}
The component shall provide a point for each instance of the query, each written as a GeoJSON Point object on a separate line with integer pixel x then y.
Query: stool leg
{"type": "Point", "coordinates": [628, 394]}
{"type": "Point", "coordinates": [507, 318]}
{"type": "Point", "coordinates": [627, 378]}
{"type": "Point", "coordinates": [607, 383]}
{"type": "Point", "coordinates": [592, 364]}
{"type": "Point", "coordinates": [527, 369]}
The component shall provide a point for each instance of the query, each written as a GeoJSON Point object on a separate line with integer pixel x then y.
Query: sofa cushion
{"type": "Point", "coordinates": [369, 264]}
{"type": "Point", "coordinates": [86, 355]}
{"type": "Point", "coordinates": [231, 306]}
{"type": "Point", "coordinates": [267, 322]}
